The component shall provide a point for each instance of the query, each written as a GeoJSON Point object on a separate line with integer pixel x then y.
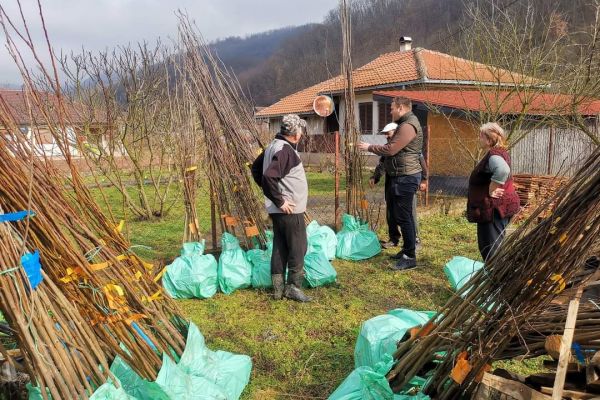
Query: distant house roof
{"type": "Point", "coordinates": [25, 112]}
{"type": "Point", "coordinates": [399, 68]}
{"type": "Point", "coordinates": [504, 102]}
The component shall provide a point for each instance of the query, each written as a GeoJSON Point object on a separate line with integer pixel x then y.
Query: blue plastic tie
{"type": "Point", "coordinates": [16, 216]}
{"type": "Point", "coordinates": [33, 268]}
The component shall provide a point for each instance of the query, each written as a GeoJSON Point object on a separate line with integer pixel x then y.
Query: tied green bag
{"type": "Point", "coordinates": [367, 383]}
{"type": "Point", "coordinates": [227, 371]}
{"type": "Point", "coordinates": [134, 385]}
{"type": "Point", "coordinates": [109, 391]}
{"type": "Point", "coordinates": [322, 238]}
{"type": "Point", "coordinates": [380, 335]}
{"type": "Point", "coordinates": [460, 269]}
{"type": "Point", "coordinates": [234, 270]}
{"type": "Point", "coordinates": [261, 264]}
{"type": "Point", "coordinates": [318, 271]}
{"type": "Point", "coordinates": [193, 274]}
{"type": "Point", "coordinates": [356, 241]}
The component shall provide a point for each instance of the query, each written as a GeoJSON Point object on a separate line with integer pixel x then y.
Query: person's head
{"type": "Point", "coordinates": [292, 127]}
{"type": "Point", "coordinates": [399, 107]}
{"type": "Point", "coordinates": [491, 135]}
{"type": "Point", "coordinates": [389, 129]}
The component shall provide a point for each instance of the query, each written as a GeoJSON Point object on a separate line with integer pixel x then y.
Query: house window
{"type": "Point", "coordinates": [365, 115]}
{"type": "Point", "coordinates": [385, 117]}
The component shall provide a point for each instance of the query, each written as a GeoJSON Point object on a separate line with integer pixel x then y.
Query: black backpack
{"type": "Point", "coordinates": [257, 169]}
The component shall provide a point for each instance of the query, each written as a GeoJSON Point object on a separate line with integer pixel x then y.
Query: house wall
{"type": "Point", "coordinates": [453, 143]}
{"type": "Point", "coordinates": [365, 97]}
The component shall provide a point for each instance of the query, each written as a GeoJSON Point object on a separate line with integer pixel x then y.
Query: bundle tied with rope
{"type": "Point", "coordinates": [478, 323]}
{"type": "Point", "coordinates": [104, 285]}
{"type": "Point", "coordinates": [228, 135]}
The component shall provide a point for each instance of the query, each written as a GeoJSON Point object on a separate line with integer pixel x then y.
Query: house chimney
{"type": "Point", "coordinates": [405, 43]}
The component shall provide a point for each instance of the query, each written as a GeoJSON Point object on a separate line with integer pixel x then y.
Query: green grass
{"type": "Point", "coordinates": [306, 350]}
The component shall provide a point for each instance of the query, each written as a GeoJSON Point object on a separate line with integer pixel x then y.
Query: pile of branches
{"type": "Point", "coordinates": [356, 203]}
{"type": "Point", "coordinates": [478, 324]}
{"type": "Point", "coordinates": [230, 137]}
{"type": "Point", "coordinates": [97, 299]}
{"type": "Point", "coordinates": [104, 284]}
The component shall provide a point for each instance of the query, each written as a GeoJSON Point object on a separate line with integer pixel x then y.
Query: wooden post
{"type": "Point", "coordinates": [565, 347]}
{"type": "Point", "coordinates": [427, 136]}
{"type": "Point", "coordinates": [213, 218]}
{"type": "Point", "coordinates": [550, 150]}
{"type": "Point", "coordinates": [337, 180]}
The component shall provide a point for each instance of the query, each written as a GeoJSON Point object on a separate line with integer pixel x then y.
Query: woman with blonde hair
{"type": "Point", "coordinates": [492, 199]}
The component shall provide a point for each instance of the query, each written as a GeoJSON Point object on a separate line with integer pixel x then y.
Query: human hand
{"type": "Point", "coordinates": [497, 193]}
{"type": "Point", "coordinates": [423, 186]}
{"type": "Point", "coordinates": [363, 146]}
{"type": "Point", "coordinates": [287, 207]}
{"type": "Point", "coordinates": [371, 183]}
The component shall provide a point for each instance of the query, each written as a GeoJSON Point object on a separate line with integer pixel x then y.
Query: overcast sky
{"type": "Point", "coordinates": [98, 24]}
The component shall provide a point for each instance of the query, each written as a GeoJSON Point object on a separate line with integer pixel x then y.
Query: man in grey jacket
{"type": "Point", "coordinates": [285, 188]}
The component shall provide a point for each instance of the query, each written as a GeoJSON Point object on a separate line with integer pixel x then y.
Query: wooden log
{"type": "Point", "coordinates": [571, 394]}
{"type": "Point", "coordinates": [516, 390]}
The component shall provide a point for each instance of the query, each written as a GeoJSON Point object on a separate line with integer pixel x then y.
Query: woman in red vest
{"type": "Point", "coordinates": [492, 199]}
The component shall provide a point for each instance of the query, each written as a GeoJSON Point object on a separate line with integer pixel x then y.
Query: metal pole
{"type": "Point", "coordinates": [337, 180]}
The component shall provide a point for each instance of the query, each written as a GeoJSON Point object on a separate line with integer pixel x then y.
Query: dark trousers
{"type": "Point", "coordinates": [393, 227]}
{"type": "Point", "coordinates": [289, 245]}
{"type": "Point", "coordinates": [490, 235]}
{"type": "Point", "coordinates": [402, 209]}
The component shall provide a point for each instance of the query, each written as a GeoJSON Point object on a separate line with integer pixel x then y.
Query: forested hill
{"type": "Point", "coordinates": [274, 64]}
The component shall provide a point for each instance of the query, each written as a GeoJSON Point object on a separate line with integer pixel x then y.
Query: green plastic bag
{"type": "Point", "coordinates": [133, 384]}
{"type": "Point", "coordinates": [261, 264]}
{"type": "Point", "coordinates": [193, 274]}
{"type": "Point", "coordinates": [322, 238]}
{"type": "Point", "coordinates": [108, 391]}
{"type": "Point", "coordinates": [230, 372]}
{"type": "Point", "coordinates": [35, 392]}
{"type": "Point", "coordinates": [356, 241]}
{"type": "Point", "coordinates": [460, 269]}
{"type": "Point", "coordinates": [378, 337]}
{"type": "Point", "coordinates": [366, 383]}
{"type": "Point", "coordinates": [181, 386]}
{"type": "Point", "coordinates": [234, 270]}
{"type": "Point", "coordinates": [318, 271]}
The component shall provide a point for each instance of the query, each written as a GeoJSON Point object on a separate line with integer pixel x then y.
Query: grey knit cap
{"type": "Point", "coordinates": [291, 122]}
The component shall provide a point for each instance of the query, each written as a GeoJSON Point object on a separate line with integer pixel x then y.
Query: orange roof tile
{"type": "Point", "coordinates": [504, 102]}
{"type": "Point", "coordinates": [20, 108]}
{"type": "Point", "coordinates": [418, 65]}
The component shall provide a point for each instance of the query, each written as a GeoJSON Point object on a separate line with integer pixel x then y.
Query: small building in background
{"type": "Point", "coordinates": [35, 123]}
{"type": "Point", "coordinates": [451, 97]}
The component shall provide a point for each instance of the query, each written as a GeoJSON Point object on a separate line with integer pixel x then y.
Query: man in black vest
{"type": "Point", "coordinates": [403, 169]}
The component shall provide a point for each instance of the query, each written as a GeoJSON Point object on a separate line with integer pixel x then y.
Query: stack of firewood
{"type": "Point", "coordinates": [534, 190]}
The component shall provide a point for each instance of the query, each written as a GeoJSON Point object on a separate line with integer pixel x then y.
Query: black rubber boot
{"type": "Point", "coordinates": [292, 289]}
{"type": "Point", "coordinates": [278, 286]}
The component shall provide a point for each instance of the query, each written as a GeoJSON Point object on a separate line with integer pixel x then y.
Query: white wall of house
{"type": "Point", "coordinates": [360, 98]}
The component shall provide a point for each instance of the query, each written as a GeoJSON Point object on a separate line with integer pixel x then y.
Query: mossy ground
{"type": "Point", "coordinates": [304, 351]}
